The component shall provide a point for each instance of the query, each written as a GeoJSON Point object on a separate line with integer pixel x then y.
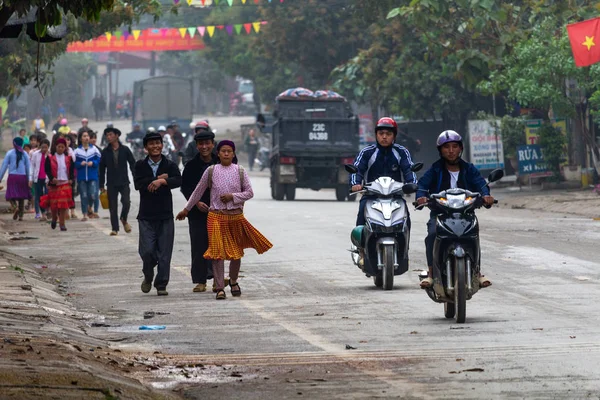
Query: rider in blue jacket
{"type": "Point", "coordinates": [450, 171]}
{"type": "Point", "coordinates": [386, 158]}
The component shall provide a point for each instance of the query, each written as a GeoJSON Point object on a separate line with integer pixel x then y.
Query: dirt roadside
{"type": "Point", "coordinates": [584, 203]}
{"type": "Point", "coordinates": [44, 349]}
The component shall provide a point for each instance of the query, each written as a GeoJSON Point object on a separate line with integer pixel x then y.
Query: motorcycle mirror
{"type": "Point", "coordinates": [495, 175]}
{"type": "Point", "coordinates": [350, 168]}
{"type": "Point", "coordinates": [416, 167]}
{"type": "Point", "coordinates": [410, 188]}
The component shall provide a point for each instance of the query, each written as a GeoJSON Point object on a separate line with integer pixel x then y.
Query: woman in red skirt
{"type": "Point", "coordinates": [60, 172]}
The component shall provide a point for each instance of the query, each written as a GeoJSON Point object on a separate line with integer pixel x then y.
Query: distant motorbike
{"type": "Point", "coordinates": [456, 252]}
{"type": "Point", "coordinates": [264, 154]}
{"type": "Point", "coordinates": [137, 148]}
{"type": "Point", "coordinates": [384, 240]}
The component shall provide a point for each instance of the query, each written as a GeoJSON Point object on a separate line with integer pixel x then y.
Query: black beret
{"type": "Point", "coordinates": [152, 136]}
{"type": "Point", "coordinates": [204, 135]}
{"type": "Point", "coordinates": [114, 130]}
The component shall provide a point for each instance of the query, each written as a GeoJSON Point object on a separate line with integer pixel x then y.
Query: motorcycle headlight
{"type": "Point", "coordinates": [456, 202]}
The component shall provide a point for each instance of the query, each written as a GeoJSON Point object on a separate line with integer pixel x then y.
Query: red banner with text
{"type": "Point", "coordinates": [163, 39]}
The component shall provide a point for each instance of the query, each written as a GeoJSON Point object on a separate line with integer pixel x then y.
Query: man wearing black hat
{"type": "Point", "coordinates": [113, 171]}
{"type": "Point", "coordinates": [192, 149]}
{"type": "Point", "coordinates": [155, 176]}
{"type": "Point", "coordinates": [204, 140]}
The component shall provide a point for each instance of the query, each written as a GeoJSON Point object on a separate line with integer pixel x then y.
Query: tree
{"type": "Point", "coordinates": [23, 60]}
{"type": "Point", "coordinates": [50, 12]}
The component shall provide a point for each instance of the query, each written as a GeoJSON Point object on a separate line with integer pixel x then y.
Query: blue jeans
{"type": "Point", "coordinates": [89, 194]}
{"type": "Point", "coordinates": [39, 189]}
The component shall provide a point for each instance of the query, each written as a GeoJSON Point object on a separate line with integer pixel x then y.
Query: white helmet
{"type": "Point", "coordinates": [192, 125]}
{"type": "Point", "coordinates": [151, 129]}
{"type": "Point", "coordinates": [162, 128]}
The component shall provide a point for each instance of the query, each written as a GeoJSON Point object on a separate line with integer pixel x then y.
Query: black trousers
{"type": "Point", "coordinates": [156, 249]}
{"type": "Point", "coordinates": [201, 267]}
{"type": "Point", "coordinates": [113, 204]}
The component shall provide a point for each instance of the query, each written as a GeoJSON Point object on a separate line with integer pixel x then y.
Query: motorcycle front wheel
{"type": "Point", "coordinates": [388, 268]}
{"type": "Point", "coordinates": [460, 290]}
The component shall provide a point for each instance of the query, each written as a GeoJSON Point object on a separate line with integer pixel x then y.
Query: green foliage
{"type": "Point", "coordinates": [552, 141]}
{"type": "Point", "coordinates": [513, 134]}
{"type": "Point", "coordinates": [23, 60]}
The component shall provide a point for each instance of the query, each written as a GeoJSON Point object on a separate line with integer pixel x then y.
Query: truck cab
{"type": "Point", "coordinates": [312, 139]}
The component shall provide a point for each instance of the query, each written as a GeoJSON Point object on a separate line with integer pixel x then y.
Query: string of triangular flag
{"type": "Point", "coordinates": [248, 28]}
{"type": "Point", "coordinates": [206, 3]}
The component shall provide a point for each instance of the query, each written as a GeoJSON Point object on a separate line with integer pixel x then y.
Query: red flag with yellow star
{"type": "Point", "coordinates": [585, 41]}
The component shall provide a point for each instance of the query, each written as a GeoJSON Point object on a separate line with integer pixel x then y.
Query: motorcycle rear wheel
{"type": "Point", "coordinates": [460, 290]}
{"type": "Point", "coordinates": [378, 279]}
{"type": "Point", "coordinates": [449, 310]}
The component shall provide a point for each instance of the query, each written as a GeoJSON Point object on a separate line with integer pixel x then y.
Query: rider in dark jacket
{"type": "Point", "coordinates": [382, 159]}
{"type": "Point", "coordinates": [450, 171]}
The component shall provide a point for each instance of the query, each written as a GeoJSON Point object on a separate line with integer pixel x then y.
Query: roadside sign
{"type": "Point", "coordinates": [485, 145]}
{"type": "Point", "coordinates": [531, 161]}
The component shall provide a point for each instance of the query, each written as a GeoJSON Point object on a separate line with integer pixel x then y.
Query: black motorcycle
{"type": "Point", "coordinates": [456, 252]}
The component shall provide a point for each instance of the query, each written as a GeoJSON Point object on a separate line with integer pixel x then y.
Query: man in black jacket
{"type": "Point", "coordinates": [113, 171]}
{"type": "Point", "coordinates": [155, 176]}
{"type": "Point", "coordinates": [197, 218]}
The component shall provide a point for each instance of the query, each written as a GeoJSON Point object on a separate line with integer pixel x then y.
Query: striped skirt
{"type": "Point", "coordinates": [60, 197]}
{"type": "Point", "coordinates": [229, 235]}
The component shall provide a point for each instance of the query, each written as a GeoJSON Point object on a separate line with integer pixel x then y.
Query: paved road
{"type": "Point", "coordinates": [533, 334]}
{"type": "Point", "coordinates": [221, 124]}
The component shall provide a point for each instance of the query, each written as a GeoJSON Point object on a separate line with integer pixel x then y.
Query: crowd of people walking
{"type": "Point", "coordinates": [52, 170]}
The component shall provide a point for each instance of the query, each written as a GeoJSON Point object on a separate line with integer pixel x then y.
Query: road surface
{"type": "Point", "coordinates": [309, 324]}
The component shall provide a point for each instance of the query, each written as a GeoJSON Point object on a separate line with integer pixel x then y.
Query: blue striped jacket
{"type": "Point", "coordinates": [375, 161]}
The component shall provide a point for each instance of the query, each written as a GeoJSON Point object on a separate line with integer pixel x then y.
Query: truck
{"type": "Point", "coordinates": [161, 100]}
{"type": "Point", "coordinates": [313, 136]}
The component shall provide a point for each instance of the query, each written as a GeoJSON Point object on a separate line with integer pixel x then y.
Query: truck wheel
{"type": "Point", "coordinates": [341, 192]}
{"type": "Point", "coordinates": [290, 192]}
{"type": "Point", "coordinates": [277, 191]}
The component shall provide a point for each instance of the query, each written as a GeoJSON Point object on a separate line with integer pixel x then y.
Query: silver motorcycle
{"type": "Point", "coordinates": [383, 242]}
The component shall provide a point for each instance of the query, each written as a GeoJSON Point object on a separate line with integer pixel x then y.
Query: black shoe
{"type": "Point", "coordinates": [162, 292]}
{"type": "Point", "coordinates": [146, 286]}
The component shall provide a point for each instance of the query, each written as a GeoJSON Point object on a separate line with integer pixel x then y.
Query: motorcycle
{"type": "Point", "coordinates": [264, 154]}
{"type": "Point", "coordinates": [384, 240]}
{"type": "Point", "coordinates": [456, 252]}
{"type": "Point", "coordinates": [137, 148]}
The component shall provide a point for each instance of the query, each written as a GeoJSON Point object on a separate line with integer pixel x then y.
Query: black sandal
{"type": "Point", "coordinates": [221, 295]}
{"type": "Point", "coordinates": [235, 293]}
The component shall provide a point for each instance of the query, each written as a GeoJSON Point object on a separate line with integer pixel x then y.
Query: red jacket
{"type": "Point", "coordinates": [51, 167]}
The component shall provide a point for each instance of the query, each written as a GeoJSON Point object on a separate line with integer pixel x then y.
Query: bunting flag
{"type": "Point", "coordinates": [204, 3]}
{"type": "Point", "coordinates": [189, 31]}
